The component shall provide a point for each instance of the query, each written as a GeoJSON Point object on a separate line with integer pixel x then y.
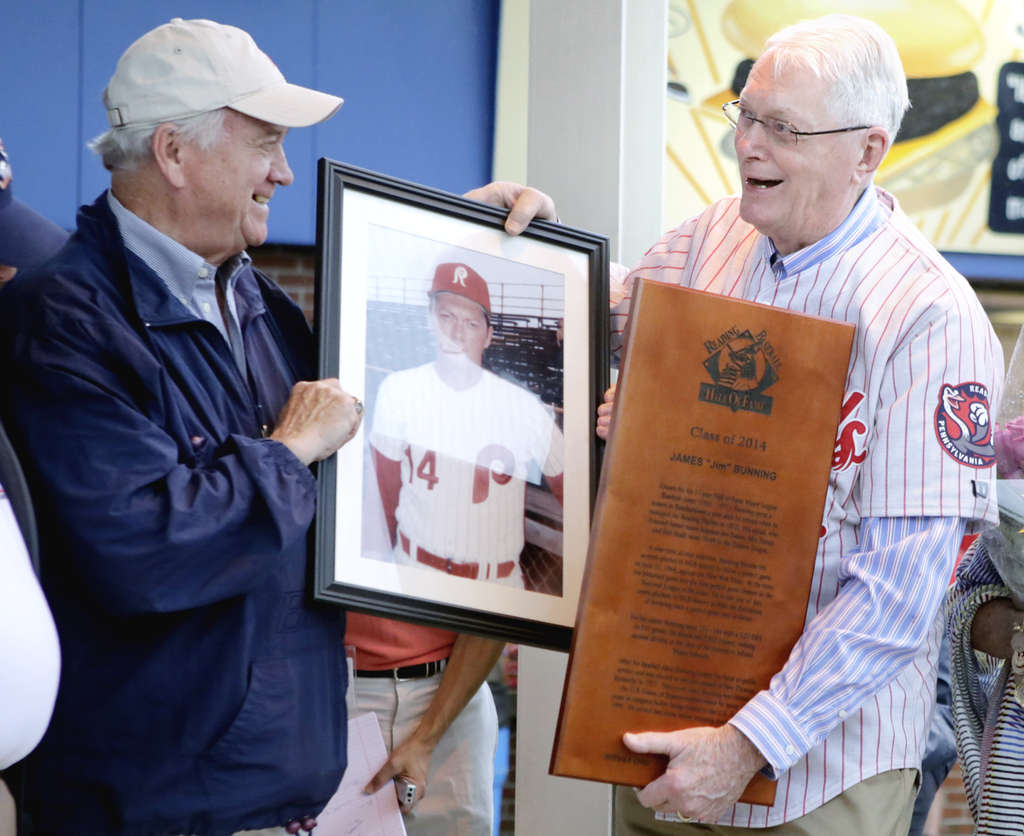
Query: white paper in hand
{"type": "Point", "coordinates": [351, 812]}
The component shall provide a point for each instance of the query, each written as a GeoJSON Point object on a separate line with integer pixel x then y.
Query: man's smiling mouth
{"type": "Point", "coordinates": [762, 184]}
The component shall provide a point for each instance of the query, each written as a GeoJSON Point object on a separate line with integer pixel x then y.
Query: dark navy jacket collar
{"type": "Point", "coordinates": [154, 302]}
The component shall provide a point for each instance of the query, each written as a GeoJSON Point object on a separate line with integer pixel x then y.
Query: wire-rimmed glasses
{"type": "Point", "coordinates": [777, 130]}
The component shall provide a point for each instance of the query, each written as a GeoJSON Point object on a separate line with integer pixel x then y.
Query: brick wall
{"type": "Point", "coordinates": [292, 268]}
{"type": "Point", "coordinates": [508, 795]}
{"type": "Point", "coordinates": [950, 814]}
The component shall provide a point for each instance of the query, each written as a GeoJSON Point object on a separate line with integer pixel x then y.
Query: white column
{"type": "Point", "coordinates": [595, 138]}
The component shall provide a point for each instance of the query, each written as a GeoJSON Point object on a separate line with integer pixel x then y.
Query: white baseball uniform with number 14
{"type": "Point", "coordinates": [465, 455]}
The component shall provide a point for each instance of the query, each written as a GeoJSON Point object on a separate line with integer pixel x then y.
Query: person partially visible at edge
{"type": "Point", "coordinates": [160, 390]}
{"type": "Point", "coordinates": [26, 237]}
{"type": "Point", "coordinates": [453, 445]}
{"type": "Point", "coordinates": [843, 723]}
{"type": "Point", "coordinates": [985, 610]}
{"type": "Point", "coordinates": [987, 634]}
{"type": "Point", "coordinates": [29, 650]}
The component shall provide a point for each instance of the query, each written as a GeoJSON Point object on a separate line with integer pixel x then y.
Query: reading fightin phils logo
{"type": "Point", "coordinates": [850, 440]}
{"type": "Point", "coordinates": [962, 424]}
{"type": "Point", "coordinates": [741, 365]}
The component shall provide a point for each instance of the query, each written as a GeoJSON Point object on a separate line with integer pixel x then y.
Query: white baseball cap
{"type": "Point", "coordinates": [187, 67]}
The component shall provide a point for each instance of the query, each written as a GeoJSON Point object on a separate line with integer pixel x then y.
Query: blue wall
{"type": "Point", "coordinates": [417, 78]}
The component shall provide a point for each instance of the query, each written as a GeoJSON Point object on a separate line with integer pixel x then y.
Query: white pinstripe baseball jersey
{"type": "Point", "coordinates": [911, 443]}
{"type": "Point", "coordinates": [465, 457]}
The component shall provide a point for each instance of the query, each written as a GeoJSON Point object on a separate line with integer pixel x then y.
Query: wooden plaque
{"type": "Point", "coordinates": [706, 525]}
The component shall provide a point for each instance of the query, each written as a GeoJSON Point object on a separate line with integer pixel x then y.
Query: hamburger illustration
{"type": "Point", "coordinates": [949, 130]}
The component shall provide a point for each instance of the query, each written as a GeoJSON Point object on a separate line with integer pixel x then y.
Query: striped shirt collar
{"type": "Point", "coordinates": [867, 215]}
{"type": "Point", "coordinates": [178, 267]}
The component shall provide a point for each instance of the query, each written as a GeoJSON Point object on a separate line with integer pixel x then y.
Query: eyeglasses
{"type": "Point", "coordinates": [778, 131]}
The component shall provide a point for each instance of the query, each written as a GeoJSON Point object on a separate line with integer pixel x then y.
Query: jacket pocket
{"type": "Point", "coordinates": [286, 744]}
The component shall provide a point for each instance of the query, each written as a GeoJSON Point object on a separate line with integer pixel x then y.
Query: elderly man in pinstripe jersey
{"type": "Point", "coordinates": [843, 723]}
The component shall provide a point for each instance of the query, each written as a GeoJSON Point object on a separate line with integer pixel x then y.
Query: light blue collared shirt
{"type": "Point", "coordinates": [188, 277]}
{"type": "Point", "coordinates": [897, 554]}
{"type": "Point", "coordinates": [866, 216]}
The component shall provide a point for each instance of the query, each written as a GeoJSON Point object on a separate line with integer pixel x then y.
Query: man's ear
{"type": "Point", "coordinates": [876, 144]}
{"type": "Point", "coordinates": [170, 154]}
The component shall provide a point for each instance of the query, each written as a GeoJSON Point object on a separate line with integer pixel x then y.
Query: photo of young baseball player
{"type": "Point", "coordinates": [454, 445]}
{"type": "Point", "coordinates": [468, 392]}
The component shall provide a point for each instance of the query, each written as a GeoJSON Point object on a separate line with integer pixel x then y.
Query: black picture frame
{"type": "Point", "coordinates": [378, 246]}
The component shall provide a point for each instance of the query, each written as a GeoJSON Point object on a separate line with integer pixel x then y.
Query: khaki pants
{"type": "Point", "coordinates": [879, 806]}
{"type": "Point", "coordinates": [7, 823]}
{"type": "Point", "coordinates": [460, 792]}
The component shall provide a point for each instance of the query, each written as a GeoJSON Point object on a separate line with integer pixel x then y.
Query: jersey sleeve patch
{"type": "Point", "coordinates": [963, 424]}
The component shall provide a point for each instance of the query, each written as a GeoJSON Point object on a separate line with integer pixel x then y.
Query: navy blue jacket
{"type": "Point", "coordinates": [201, 691]}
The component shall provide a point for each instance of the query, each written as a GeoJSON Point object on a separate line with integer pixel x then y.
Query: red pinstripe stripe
{"type": "Point", "coordinates": [892, 725]}
{"type": "Point", "coordinates": [824, 770]}
{"type": "Point", "coordinates": [925, 687]}
{"type": "Point", "coordinates": [821, 294]}
{"type": "Point", "coordinates": [888, 435]}
{"type": "Point", "coordinates": [849, 274]}
{"type": "Point", "coordinates": [842, 285]}
{"type": "Point", "coordinates": [903, 722]}
{"type": "Point", "coordinates": [926, 423]}
{"type": "Point", "coordinates": [881, 307]}
{"type": "Point", "coordinates": [707, 232]}
{"type": "Point", "coordinates": [757, 276]}
{"type": "Point", "coordinates": [807, 783]}
{"type": "Point", "coordinates": [726, 261]}
{"type": "Point", "coordinates": [721, 241]}
{"type": "Point", "coordinates": [878, 735]}
{"type": "Point", "coordinates": [775, 290]}
{"type": "Point", "coordinates": [860, 738]}
{"type": "Point", "coordinates": [789, 784]}
{"type": "Point", "coordinates": [905, 330]}
{"type": "Point", "coordinates": [842, 755]}
{"type": "Point", "coordinates": [906, 430]}
{"type": "Point", "coordinates": [942, 459]}
{"type": "Point", "coordinates": [820, 560]}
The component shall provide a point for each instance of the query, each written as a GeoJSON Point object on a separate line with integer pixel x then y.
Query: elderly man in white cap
{"type": "Point", "coordinates": [161, 390]}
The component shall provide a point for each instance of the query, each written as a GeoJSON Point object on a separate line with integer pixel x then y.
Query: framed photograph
{"type": "Point", "coordinates": [465, 499]}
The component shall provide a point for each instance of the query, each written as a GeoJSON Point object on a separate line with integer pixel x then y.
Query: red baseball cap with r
{"type": "Point", "coordinates": [453, 277]}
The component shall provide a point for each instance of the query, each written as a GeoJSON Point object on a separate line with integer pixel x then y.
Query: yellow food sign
{"type": "Point", "coordinates": [956, 156]}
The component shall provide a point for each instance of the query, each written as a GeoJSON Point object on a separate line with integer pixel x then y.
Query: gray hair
{"type": "Point", "coordinates": [856, 58]}
{"type": "Point", "coordinates": [126, 148]}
